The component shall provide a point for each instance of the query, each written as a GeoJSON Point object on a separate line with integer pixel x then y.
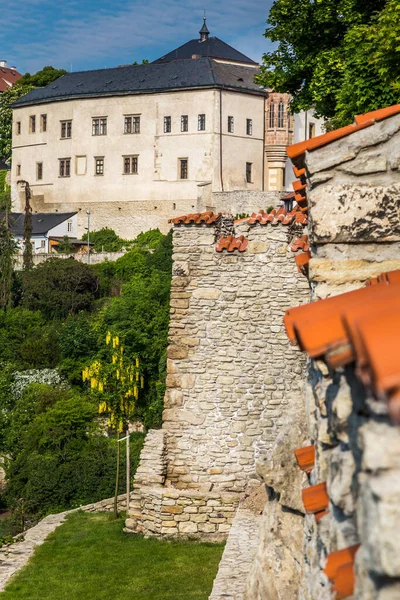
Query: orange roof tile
{"type": "Point", "coordinates": [344, 581]}
{"type": "Point", "coordinates": [389, 277]}
{"type": "Point", "coordinates": [378, 115]}
{"type": "Point", "coordinates": [302, 260]}
{"type": "Point", "coordinates": [300, 243]}
{"type": "Point", "coordinates": [298, 172]}
{"type": "Point", "coordinates": [231, 243]}
{"type": "Point", "coordinates": [338, 559]}
{"type": "Point", "coordinates": [305, 458]}
{"type": "Point", "coordinates": [298, 186]}
{"type": "Point", "coordinates": [315, 498]}
{"type": "Point", "coordinates": [361, 121]}
{"type": "Point", "coordinates": [206, 218]}
{"type": "Point", "coordinates": [278, 216]}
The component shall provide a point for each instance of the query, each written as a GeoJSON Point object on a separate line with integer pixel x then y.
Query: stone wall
{"type": "Point", "coordinates": [236, 202]}
{"type": "Point", "coordinates": [95, 258]}
{"type": "Point", "coordinates": [232, 375]}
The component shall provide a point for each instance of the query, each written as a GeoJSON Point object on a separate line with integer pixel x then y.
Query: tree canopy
{"type": "Point", "coordinates": [24, 85]}
{"type": "Point", "coordinates": [340, 57]}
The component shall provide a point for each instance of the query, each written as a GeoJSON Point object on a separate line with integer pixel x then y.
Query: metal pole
{"type": "Point", "coordinates": [128, 473]}
{"type": "Point", "coordinates": [88, 236]}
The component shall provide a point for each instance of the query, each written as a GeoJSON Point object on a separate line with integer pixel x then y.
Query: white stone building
{"type": "Point", "coordinates": [138, 144]}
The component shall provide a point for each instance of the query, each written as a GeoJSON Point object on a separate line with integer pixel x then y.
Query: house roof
{"type": "Point", "coordinates": [146, 79]}
{"type": "Point", "coordinates": [212, 47]}
{"type": "Point", "coordinates": [8, 77]}
{"type": "Point", "coordinates": [41, 222]}
{"type": "Point", "coordinates": [360, 122]}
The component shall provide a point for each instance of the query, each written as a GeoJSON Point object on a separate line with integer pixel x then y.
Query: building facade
{"type": "Point", "coordinates": [134, 144]}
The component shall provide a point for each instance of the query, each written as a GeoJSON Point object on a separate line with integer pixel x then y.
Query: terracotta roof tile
{"type": "Point", "coordinates": [344, 581]}
{"type": "Point", "coordinates": [302, 260]}
{"type": "Point", "coordinates": [231, 244]}
{"type": "Point", "coordinates": [389, 277]}
{"type": "Point", "coordinates": [298, 185]}
{"type": "Point", "coordinates": [278, 216]}
{"type": "Point", "coordinates": [206, 218]}
{"type": "Point", "coordinates": [301, 243]}
{"type": "Point", "coordinates": [361, 326]}
{"type": "Point", "coordinates": [361, 121]}
{"type": "Point", "coordinates": [315, 498]}
{"type": "Point", "coordinates": [305, 458]}
{"type": "Point", "coordinates": [298, 172]}
{"type": "Point", "coordinates": [338, 559]}
{"type": "Point", "coordinates": [378, 115]}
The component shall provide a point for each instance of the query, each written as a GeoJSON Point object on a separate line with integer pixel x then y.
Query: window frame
{"type": "Point", "coordinates": [271, 115]}
{"type": "Point", "coordinates": [101, 127]}
{"type": "Point", "coordinates": [69, 226]}
{"type": "Point", "coordinates": [39, 171]}
{"type": "Point", "coordinates": [249, 126]}
{"type": "Point", "coordinates": [183, 171]}
{"type": "Point", "coordinates": [18, 123]}
{"type": "Point", "coordinates": [184, 123]}
{"type": "Point", "coordinates": [231, 124]}
{"type": "Point", "coordinates": [66, 128]}
{"type": "Point", "coordinates": [167, 124]}
{"type": "Point", "coordinates": [64, 167]}
{"type": "Point", "coordinates": [32, 124]}
{"type": "Point", "coordinates": [249, 172]}
{"type": "Point", "coordinates": [18, 169]}
{"type": "Point", "coordinates": [133, 164]}
{"type": "Point", "coordinates": [99, 164]}
{"type": "Point", "coordinates": [201, 122]}
{"type": "Point", "coordinates": [43, 123]}
{"type": "Point", "coordinates": [134, 124]}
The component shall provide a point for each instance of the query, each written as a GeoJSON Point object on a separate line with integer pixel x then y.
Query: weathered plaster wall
{"type": "Point", "coordinates": [232, 375]}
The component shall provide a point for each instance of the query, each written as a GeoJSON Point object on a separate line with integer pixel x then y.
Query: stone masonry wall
{"type": "Point", "coordinates": [232, 375]}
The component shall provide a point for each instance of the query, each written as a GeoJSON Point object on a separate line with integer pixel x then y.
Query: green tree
{"type": "Point", "coordinates": [116, 380]}
{"type": "Point", "coordinates": [339, 56]}
{"type": "Point", "coordinates": [105, 240]}
{"type": "Point", "coordinates": [20, 88]}
{"type": "Point", "coordinates": [59, 287]}
{"type": "Point", "coordinates": [65, 246]}
{"type": "Point", "coordinates": [7, 250]}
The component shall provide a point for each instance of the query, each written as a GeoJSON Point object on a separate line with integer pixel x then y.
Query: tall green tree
{"type": "Point", "coordinates": [7, 248]}
{"type": "Point", "coordinates": [24, 85]}
{"type": "Point", "coordinates": [340, 57]}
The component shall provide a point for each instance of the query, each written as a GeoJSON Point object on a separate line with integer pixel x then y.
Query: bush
{"type": "Point", "coordinates": [59, 287]}
{"type": "Point", "coordinates": [105, 240]}
{"type": "Point", "coordinates": [61, 459]}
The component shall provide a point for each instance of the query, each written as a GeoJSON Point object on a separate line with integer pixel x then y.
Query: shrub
{"type": "Point", "coordinates": [59, 287]}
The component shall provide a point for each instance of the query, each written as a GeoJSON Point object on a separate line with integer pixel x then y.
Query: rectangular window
{"type": "Point", "coordinates": [230, 124]}
{"type": "Point", "coordinates": [184, 123]}
{"type": "Point", "coordinates": [43, 243]}
{"type": "Point", "coordinates": [69, 226]}
{"type": "Point", "coordinates": [132, 124]}
{"type": "Point", "coordinates": [99, 126]}
{"type": "Point", "coordinates": [130, 165]}
{"type": "Point", "coordinates": [18, 169]}
{"type": "Point", "coordinates": [39, 171]}
{"type": "Point", "coordinates": [64, 167]}
{"type": "Point", "coordinates": [201, 122]}
{"type": "Point", "coordinates": [249, 126]}
{"type": "Point", "coordinates": [167, 124]}
{"type": "Point", "coordinates": [32, 124]}
{"type": "Point", "coordinates": [18, 127]}
{"type": "Point", "coordinates": [99, 165]}
{"type": "Point", "coordinates": [66, 129]}
{"type": "Point", "coordinates": [183, 168]}
{"type": "Point", "coordinates": [43, 123]}
{"type": "Point", "coordinates": [249, 167]}
{"type": "Point", "coordinates": [311, 130]}
{"type": "Point", "coordinates": [80, 165]}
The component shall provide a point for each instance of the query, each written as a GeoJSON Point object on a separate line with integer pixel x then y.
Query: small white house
{"type": "Point", "coordinates": [47, 229]}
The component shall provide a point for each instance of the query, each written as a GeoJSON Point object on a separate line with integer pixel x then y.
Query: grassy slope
{"type": "Point", "coordinates": [90, 558]}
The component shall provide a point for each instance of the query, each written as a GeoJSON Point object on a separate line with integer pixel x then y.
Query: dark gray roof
{"type": "Point", "coordinates": [213, 47]}
{"type": "Point", "coordinates": [145, 79]}
{"type": "Point", "coordinates": [4, 166]}
{"type": "Point", "coordinates": [41, 222]}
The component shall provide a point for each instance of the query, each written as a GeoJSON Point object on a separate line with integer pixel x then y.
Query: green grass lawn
{"type": "Point", "coordinates": [90, 558]}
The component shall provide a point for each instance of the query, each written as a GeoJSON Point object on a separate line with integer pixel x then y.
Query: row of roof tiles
{"type": "Point", "coordinates": [361, 121]}
{"type": "Point", "coordinates": [361, 326]}
{"type": "Point", "coordinates": [276, 216]}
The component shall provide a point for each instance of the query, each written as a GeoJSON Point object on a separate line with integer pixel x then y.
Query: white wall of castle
{"type": "Point", "coordinates": [137, 202]}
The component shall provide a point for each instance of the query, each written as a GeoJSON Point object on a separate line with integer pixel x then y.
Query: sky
{"type": "Point", "coordinates": [79, 35]}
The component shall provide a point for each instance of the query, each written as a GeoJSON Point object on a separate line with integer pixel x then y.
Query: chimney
{"type": "Point", "coordinates": [3, 63]}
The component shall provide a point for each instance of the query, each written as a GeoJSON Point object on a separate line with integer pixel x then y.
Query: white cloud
{"type": "Point", "coordinates": [92, 33]}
